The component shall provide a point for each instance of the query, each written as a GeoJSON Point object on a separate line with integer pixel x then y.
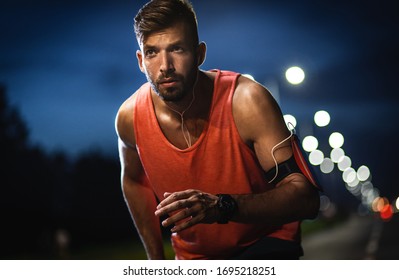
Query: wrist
{"type": "Point", "coordinates": [227, 207]}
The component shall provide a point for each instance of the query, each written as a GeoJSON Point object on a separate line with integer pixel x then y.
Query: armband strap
{"type": "Point", "coordinates": [303, 163]}
{"type": "Point", "coordinates": [285, 168]}
{"type": "Point", "coordinates": [297, 163]}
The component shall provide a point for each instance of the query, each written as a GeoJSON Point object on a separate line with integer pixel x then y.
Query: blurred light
{"type": "Point", "coordinates": [354, 187]}
{"type": "Point", "coordinates": [354, 183]}
{"type": "Point", "coordinates": [327, 207]}
{"type": "Point", "coordinates": [375, 193]}
{"type": "Point", "coordinates": [290, 119]}
{"type": "Point", "coordinates": [349, 175]}
{"type": "Point", "coordinates": [367, 187]}
{"type": "Point", "coordinates": [310, 143]}
{"type": "Point", "coordinates": [344, 163]}
{"type": "Point", "coordinates": [295, 75]}
{"type": "Point", "coordinates": [386, 212]}
{"type": "Point", "coordinates": [336, 140]}
{"type": "Point", "coordinates": [378, 204]}
{"type": "Point", "coordinates": [324, 202]}
{"type": "Point", "coordinates": [337, 154]}
{"type": "Point", "coordinates": [397, 204]}
{"type": "Point", "coordinates": [249, 76]}
{"type": "Point", "coordinates": [322, 118]}
{"type": "Point", "coordinates": [363, 173]}
{"type": "Point", "coordinates": [316, 157]}
{"type": "Point", "coordinates": [327, 166]}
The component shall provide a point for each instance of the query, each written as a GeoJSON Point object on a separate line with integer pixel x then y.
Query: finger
{"type": "Point", "coordinates": [172, 197]}
{"type": "Point", "coordinates": [166, 194]}
{"type": "Point", "coordinates": [188, 223]}
{"type": "Point", "coordinates": [196, 210]}
{"type": "Point", "coordinates": [178, 217]}
{"type": "Point", "coordinates": [182, 202]}
{"type": "Point", "coordinates": [172, 207]}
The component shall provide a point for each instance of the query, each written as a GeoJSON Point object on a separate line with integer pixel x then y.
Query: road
{"type": "Point", "coordinates": [360, 237]}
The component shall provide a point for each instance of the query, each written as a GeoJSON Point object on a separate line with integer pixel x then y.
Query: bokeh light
{"type": "Point", "coordinates": [310, 143]}
{"type": "Point", "coordinates": [336, 140]}
{"type": "Point", "coordinates": [295, 75]}
{"type": "Point", "coordinates": [327, 166]}
{"type": "Point", "coordinates": [378, 204]}
{"type": "Point", "coordinates": [316, 157]}
{"type": "Point", "coordinates": [344, 163]}
{"type": "Point", "coordinates": [367, 188]}
{"type": "Point", "coordinates": [357, 181]}
{"type": "Point", "coordinates": [325, 202]}
{"type": "Point", "coordinates": [322, 118]}
{"type": "Point", "coordinates": [386, 212]}
{"type": "Point", "coordinates": [290, 121]}
{"type": "Point", "coordinates": [363, 173]}
{"type": "Point", "coordinates": [349, 175]}
{"type": "Point", "coordinates": [337, 155]}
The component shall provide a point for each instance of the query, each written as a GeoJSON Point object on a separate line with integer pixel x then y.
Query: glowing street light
{"type": "Point", "coordinates": [295, 75]}
{"type": "Point", "coordinates": [344, 163]}
{"type": "Point", "coordinates": [322, 118]}
{"type": "Point", "coordinates": [310, 143]}
{"type": "Point", "coordinates": [336, 140]}
{"type": "Point", "coordinates": [337, 154]}
{"type": "Point", "coordinates": [290, 121]}
{"type": "Point", "coordinates": [316, 157]}
{"type": "Point", "coordinates": [363, 173]}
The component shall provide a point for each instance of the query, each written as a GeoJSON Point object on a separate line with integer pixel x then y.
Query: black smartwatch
{"type": "Point", "coordinates": [227, 206]}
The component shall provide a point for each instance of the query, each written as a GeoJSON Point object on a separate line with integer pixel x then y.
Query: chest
{"type": "Point", "coordinates": [180, 131]}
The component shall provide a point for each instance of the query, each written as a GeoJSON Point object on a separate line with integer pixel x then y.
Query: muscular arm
{"type": "Point", "coordinates": [261, 125]}
{"type": "Point", "coordinates": [139, 198]}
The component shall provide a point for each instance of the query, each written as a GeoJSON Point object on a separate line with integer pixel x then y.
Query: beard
{"type": "Point", "coordinates": [183, 85]}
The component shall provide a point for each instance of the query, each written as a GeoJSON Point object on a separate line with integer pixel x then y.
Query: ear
{"type": "Point", "coordinates": [139, 56]}
{"type": "Point", "coordinates": [201, 53]}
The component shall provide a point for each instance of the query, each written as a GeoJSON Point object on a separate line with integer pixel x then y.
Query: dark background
{"type": "Point", "coordinates": [66, 66]}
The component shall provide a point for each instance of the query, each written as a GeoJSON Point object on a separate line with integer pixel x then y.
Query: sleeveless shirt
{"type": "Point", "coordinates": [218, 162]}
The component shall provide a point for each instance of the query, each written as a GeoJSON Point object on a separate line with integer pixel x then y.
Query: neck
{"type": "Point", "coordinates": [181, 111]}
{"type": "Point", "coordinates": [182, 106]}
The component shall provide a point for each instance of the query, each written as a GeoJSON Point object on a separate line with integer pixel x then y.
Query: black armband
{"type": "Point", "coordinates": [284, 169]}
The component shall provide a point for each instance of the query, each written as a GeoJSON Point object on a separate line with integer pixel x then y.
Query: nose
{"type": "Point", "coordinates": [166, 66]}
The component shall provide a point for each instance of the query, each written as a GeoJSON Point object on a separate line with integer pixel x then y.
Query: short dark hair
{"type": "Point", "coordinates": [157, 15]}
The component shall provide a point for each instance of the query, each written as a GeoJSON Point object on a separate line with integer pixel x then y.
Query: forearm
{"type": "Point", "coordinates": [292, 200]}
{"type": "Point", "coordinates": [142, 204]}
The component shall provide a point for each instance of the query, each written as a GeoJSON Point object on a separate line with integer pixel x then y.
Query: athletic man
{"type": "Point", "coordinates": [207, 151]}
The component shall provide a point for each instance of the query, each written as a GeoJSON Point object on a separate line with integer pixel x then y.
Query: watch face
{"type": "Point", "coordinates": [227, 207]}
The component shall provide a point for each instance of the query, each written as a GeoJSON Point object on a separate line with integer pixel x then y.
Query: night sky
{"type": "Point", "coordinates": [68, 66]}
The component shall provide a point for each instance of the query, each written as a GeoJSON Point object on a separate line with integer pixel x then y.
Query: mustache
{"type": "Point", "coordinates": [167, 78]}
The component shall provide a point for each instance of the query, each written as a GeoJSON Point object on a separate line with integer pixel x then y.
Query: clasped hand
{"type": "Point", "coordinates": [187, 208]}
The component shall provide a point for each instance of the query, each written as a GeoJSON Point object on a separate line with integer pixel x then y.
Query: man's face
{"type": "Point", "coordinates": [169, 61]}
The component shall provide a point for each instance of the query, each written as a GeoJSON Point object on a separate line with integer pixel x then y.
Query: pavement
{"type": "Point", "coordinates": [358, 238]}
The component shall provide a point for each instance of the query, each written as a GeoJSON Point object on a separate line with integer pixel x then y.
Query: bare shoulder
{"type": "Point", "coordinates": [254, 109]}
{"type": "Point", "coordinates": [124, 121]}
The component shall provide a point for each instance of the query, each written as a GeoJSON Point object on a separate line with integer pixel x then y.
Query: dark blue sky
{"type": "Point", "coordinates": [68, 65]}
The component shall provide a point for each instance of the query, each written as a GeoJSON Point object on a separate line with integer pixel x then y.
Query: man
{"type": "Point", "coordinates": [211, 147]}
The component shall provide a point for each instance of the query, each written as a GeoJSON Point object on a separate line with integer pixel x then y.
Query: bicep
{"type": "Point", "coordinates": [260, 122]}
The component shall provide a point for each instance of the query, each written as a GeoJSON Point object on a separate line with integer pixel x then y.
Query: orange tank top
{"type": "Point", "coordinates": [218, 162]}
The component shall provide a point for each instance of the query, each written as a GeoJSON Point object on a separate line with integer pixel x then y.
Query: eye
{"type": "Point", "coordinates": [177, 49]}
{"type": "Point", "coordinates": [150, 53]}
